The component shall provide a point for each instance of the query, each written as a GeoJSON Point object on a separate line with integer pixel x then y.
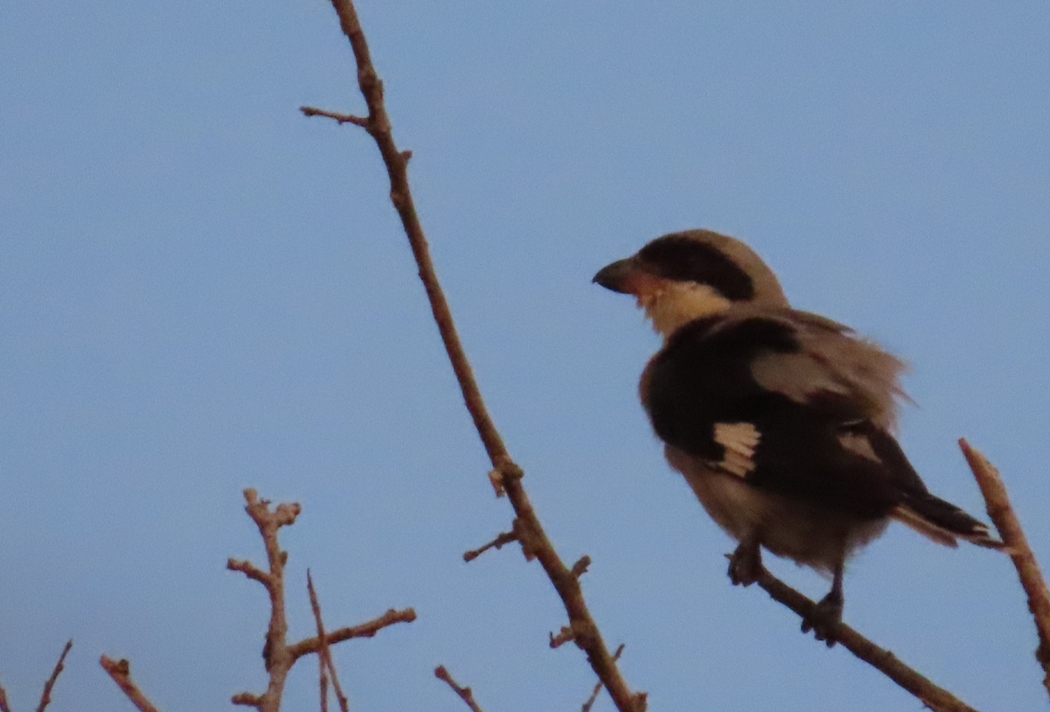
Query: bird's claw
{"type": "Point", "coordinates": [825, 618]}
{"type": "Point", "coordinates": [745, 564]}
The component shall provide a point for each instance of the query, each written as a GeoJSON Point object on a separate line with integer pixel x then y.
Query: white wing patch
{"type": "Point", "coordinates": [858, 444]}
{"type": "Point", "coordinates": [739, 441]}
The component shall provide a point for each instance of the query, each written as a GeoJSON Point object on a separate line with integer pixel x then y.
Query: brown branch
{"type": "Point", "coordinates": [45, 696]}
{"type": "Point", "coordinates": [497, 543]}
{"type": "Point", "coordinates": [324, 653]}
{"type": "Point", "coordinates": [464, 693]}
{"type": "Point", "coordinates": [598, 685]}
{"type": "Point", "coordinates": [341, 118]}
{"type": "Point", "coordinates": [364, 630]}
{"type": "Point", "coordinates": [934, 697]}
{"type": "Point", "coordinates": [1005, 519]}
{"type": "Point", "coordinates": [535, 538]}
{"type": "Point", "coordinates": [278, 659]}
{"type": "Point", "coordinates": [120, 671]}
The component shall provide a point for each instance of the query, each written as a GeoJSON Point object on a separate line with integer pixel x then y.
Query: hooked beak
{"type": "Point", "coordinates": [617, 276]}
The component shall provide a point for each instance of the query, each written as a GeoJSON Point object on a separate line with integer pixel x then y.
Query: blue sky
{"type": "Point", "coordinates": [201, 290]}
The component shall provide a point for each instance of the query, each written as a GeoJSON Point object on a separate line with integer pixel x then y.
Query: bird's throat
{"type": "Point", "coordinates": [674, 304]}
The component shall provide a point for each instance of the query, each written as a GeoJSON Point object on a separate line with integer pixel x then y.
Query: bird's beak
{"type": "Point", "coordinates": [617, 276]}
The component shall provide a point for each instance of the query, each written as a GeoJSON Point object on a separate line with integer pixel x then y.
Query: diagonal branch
{"type": "Point", "coordinates": [465, 693]}
{"type": "Point", "coordinates": [324, 654]}
{"type": "Point", "coordinates": [934, 697]}
{"type": "Point", "coordinates": [1002, 514]}
{"type": "Point", "coordinates": [45, 696]}
{"type": "Point", "coordinates": [534, 539]}
{"type": "Point", "coordinates": [120, 671]}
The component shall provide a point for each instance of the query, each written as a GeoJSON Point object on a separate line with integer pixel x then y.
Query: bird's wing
{"type": "Point", "coordinates": [831, 367]}
{"type": "Point", "coordinates": [786, 400]}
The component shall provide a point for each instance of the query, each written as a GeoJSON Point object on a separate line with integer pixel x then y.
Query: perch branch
{"type": "Point", "coordinates": [934, 697]}
{"type": "Point", "coordinates": [1005, 519]}
{"type": "Point", "coordinates": [324, 654]}
{"type": "Point", "coordinates": [120, 671]}
{"type": "Point", "coordinates": [464, 693]}
{"type": "Point", "coordinates": [45, 696]}
{"type": "Point", "coordinates": [534, 538]}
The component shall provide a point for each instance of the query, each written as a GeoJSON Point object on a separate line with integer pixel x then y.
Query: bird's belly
{"type": "Point", "coordinates": [805, 532]}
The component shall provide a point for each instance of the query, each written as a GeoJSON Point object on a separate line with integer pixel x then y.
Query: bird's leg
{"type": "Point", "coordinates": [745, 564]}
{"type": "Point", "coordinates": [828, 612]}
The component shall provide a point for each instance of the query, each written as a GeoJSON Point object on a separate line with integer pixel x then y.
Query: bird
{"type": "Point", "coordinates": [781, 421]}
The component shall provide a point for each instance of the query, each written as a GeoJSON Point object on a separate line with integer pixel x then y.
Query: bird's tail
{"type": "Point", "coordinates": [943, 522]}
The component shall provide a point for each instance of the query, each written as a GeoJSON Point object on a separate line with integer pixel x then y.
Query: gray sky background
{"type": "Point", "coordinates": [201, 290]}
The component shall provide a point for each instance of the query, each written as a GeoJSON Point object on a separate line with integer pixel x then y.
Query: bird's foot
{"type": "Point", "coordinates": [745, 564]}
{"type": "Point", "coordinates": [825, 617]}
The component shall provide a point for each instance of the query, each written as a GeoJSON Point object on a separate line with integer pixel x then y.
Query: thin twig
{"type": "Point", "coordinates": [325, 653]}
{"type": "Point", "coordinates": [598, 685]}
{"type": "Point", "coordinates": [464, 693]}
{"type": "Point", "coordinates": [364, 630]}
{"type": "Point", "coordinates": [120, 671]}
{"type": "Point", "coordinates": [534, 539]}
{"type": "Point", "coordinates": [45, 696]}
{"type": "Point", "coordinates": [497, 543]}
{"type": "Point", "coordinates": [934, 697]}
{"type": "Point", "coordinates": [341, 118]}
{"type": "Point", "coordinates": [1005, 519]}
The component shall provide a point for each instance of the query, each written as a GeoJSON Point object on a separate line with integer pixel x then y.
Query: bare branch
{"type": "Point", "coordinates": [535, 538]}
{"type": "Point", "coordinates": [276, 655]}
{"type": "Point", "coordinates": [934, 697]}
{"type": "Point", "coordinates": [1005, 519]}
{"type": "Point", "coordinates": [365, 630]}
{"type": "Point", "coordinates": [45, 696]}
{"type": "Point", "coordinates": [341, 118]}
{"type": "Point", "coordinates": [564, 636]}
{"type": "Point", "coordinates": [598, 685]}
{"type": "Point", "coordinates": [324, 653]}
{"type": "Point", "coordinates": [464, 692]}
{"type": "Point", "coordinates": [120, 671]}
{"type": "Point", "coordinates": [497, 543]}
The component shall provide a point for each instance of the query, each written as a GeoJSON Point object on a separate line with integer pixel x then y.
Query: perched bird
{"type": "Point", "coordinates": [780, 420]}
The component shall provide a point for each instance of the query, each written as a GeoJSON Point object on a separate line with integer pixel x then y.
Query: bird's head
{"type": "Point", "coordinates": [688, 275]}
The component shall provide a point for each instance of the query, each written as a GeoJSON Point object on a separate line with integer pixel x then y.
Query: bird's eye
{"type": "Point", "coordinates": [684, 259]}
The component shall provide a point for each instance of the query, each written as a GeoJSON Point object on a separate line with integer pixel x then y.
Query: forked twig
{"type": "Point", "coordinates": [1005, 519]}
{"type": "Point", "coordinates": [532, 536]}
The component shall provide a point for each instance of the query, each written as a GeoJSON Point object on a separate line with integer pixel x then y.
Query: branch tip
{"type": "Point", "coordinates": [497, 543]}
{"type": "Point", "coordinates": [45, 696]}
{"type": "Point", "coordinates": [120, 671]}
{"type": "Point", "coordinates": [336, 116]}
{"type": "Point", "coordinates": [464, 693]}
{"type": "Point", "coordinates": [1003, 515]}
